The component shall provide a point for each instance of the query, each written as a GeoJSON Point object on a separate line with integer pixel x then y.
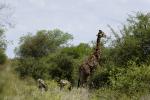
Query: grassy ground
{"type": "Point", "coordinates": [13, 88]}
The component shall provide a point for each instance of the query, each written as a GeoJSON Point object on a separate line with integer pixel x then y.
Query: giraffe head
{"type": "Point", "coordinates": [101, 34]}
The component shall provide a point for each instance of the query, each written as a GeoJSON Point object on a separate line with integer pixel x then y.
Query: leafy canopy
{"type": "Point", "coordinates": [43, 43]}
{"type": "Point", "coordinates": [134, 44]}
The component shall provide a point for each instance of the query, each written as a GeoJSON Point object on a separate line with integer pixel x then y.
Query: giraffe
{"type": "Point", "coordinates": [87, 67]}
{"type": "Point", "coordinates": [64, 84]}
{"type": "Point", "coordinates": [42, 85]}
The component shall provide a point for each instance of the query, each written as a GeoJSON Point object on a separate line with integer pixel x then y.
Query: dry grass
{"type": "Point", "coordinates": [12, 88]}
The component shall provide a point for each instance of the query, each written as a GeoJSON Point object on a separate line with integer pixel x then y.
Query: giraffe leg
{"type": "Point", "coordinates": [80, 78]}
{"type": "Point", "coordinates": [79, 82]}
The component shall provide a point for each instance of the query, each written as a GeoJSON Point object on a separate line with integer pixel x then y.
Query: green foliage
{"type": "Point", "coordinates": [79, 51]}
{"type": "Point", "coordinates": [61, 66]}
{"type": "Point", "coordinates": [43, 43]}
{"type": "Point", "coordinates": [134, 43]}
{"type": "Point", "coordinates": [3, 57]}
{"type": "Point", "coordinates": [131, 80]}
{"type": "Point", "coordinates": [100, 78]}
{"type": "Point", "coordinates": [36, 68]}
{"type": "Point", "coordinates": [3, 42]}
{"type": "Point", "coordinates": [2, 39]}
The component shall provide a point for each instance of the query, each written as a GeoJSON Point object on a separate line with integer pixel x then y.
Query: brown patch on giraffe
{"type": "Point", "coordinates": [87, 67]}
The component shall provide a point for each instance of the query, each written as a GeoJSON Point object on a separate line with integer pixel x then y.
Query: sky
{"type": "Point", "coordinates": [81, 18]}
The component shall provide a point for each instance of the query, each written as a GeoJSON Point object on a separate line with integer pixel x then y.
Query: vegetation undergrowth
{"type": "Point", "coordinates": [14, 88]}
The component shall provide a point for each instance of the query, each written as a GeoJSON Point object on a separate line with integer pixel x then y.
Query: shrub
{"type": "Point", "coordinates": [61, 66]}
{"type": "Point", "coordinates": [36, 68]}
{"type": "Point", "coordinates": [100, 78]}
{"type": "Point", "coordinates": [3, 57]}
{"type": "Point", "coordinates": [131, 80]}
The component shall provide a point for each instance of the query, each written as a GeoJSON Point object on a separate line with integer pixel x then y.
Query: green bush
{"type": "Point", "coordinates": [3, 57]}
{"type": "Point", "coordinates": [36, 68]}
{"type": "Point", "coordinates": [131, 80]}
{"type": "Point", "coordinates": [53, 66]}
{"type": "Point", "coordinates": [100, 78]}
{"type": "Point", "coordinates": [61, 66]}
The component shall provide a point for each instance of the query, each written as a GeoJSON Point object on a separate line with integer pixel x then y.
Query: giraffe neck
{"type": "Point", "coordinates": [97, 49]}
{"type": "Point", "coordinates": [98, 42]}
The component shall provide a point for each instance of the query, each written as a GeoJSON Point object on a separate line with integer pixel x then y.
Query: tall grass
{"type": "Point", "coordinates": [13, 88]}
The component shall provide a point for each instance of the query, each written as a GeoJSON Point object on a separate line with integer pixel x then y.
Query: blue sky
{"type": "Point", "coordinates": [82, 18]}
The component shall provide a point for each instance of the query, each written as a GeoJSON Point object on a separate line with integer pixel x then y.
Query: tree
{"type": "Point", "coordinates": [3, 56]}
{"type": "Point", "coordinates": [43, 43]}
{"type": "Point", "coordinates": [134, 44]}
{"type": "Point", "coordinates": [61, 67]}
{"type": "Point", "coordinates": [35, 51]}
{"type": "Point", "coordinates": [2, 40]}
{"type": "Point", "coordinates": [79, 51]}
{"type": "Point", "coordinates": [4, 21]}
